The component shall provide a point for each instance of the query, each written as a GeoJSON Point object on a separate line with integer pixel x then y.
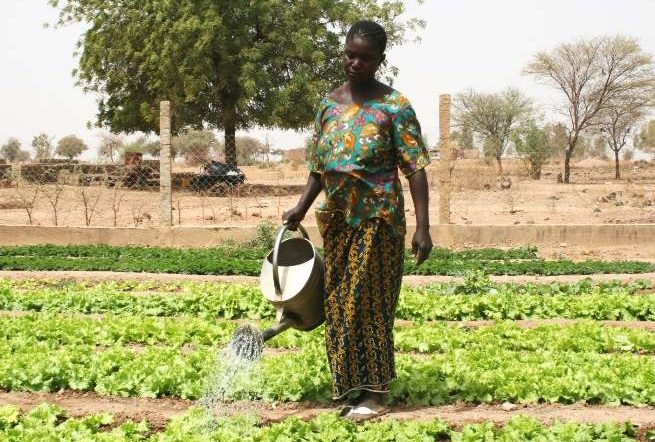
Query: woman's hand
{"type": "Point", "coordinates": [421, 245]}
{"type": "Point", "coordinates": [293, 216]}
{"type": "Point", "coordinates": [421, 242]}
{"type": "Point", "coordinates": [311, 191]}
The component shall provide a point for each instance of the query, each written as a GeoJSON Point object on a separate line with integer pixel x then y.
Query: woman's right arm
{"type": "Point", "coordinates": [311, 191]}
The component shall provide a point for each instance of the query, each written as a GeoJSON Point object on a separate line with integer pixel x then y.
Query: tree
{"type": "Point", "coordinates": [556, 137]}
{"type": "Point", "coordinates": [43, 146]}
{"type": "Point", "coordinates": [141, 145]}
{"type": "Point", "coordinates": [493, 117]}
{"type": "Point", "coordinates": [590, 145]}
{"type": "Point", "coordinates": [148, 147]}
{"type": "Point", "coordinates": [591, 75]}
{"type": "Point", "coordinates": [645, 141]}
{"type": "Point", "coordinates": [531, 143]}
{"type": "Point", "coordinates": [463, 138]}
{"type": "Point", "coordinates": [617, 123]}
{"type": "Point", "coordinates": [196, 146]}
{"type": "Point", "coordinates": [111, 146]}
{"type": "Point", "coordinates": [223, 64]}
{"type": "Point", "coordinates": [71, 147]}
{"type": "Point", "coordinates": [12, 152]}
{"type": "Point", "coordinates": [250, 149]}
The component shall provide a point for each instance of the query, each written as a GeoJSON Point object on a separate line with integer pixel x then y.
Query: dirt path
{"type": "Point", "coordinates": [19, 275]}
{"type": "Point", "coordinates": [521, 323]}
{"type": "Point", "coordinates": [499, 414]}
{"type": "Point", "coordinates": [410, 280]}
{"type": "Point", "coordinates": [158, 411]}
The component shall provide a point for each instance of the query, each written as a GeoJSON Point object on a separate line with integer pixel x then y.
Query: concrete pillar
{"type": "Point", "coordinates": [165, 195]}
{"type": "Point", "coordinates": [445, 158]}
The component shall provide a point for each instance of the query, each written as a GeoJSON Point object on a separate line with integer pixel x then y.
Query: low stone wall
{"type": "Point", "coordinates": [48, 173]}
{"type": "Point", "coordinates": [638, 235]}
{"type": "Point", "coordinates": [5, 171]}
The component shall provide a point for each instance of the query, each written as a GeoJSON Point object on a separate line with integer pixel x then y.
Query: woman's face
{"type": "Point", "coordinates": [361, 60]}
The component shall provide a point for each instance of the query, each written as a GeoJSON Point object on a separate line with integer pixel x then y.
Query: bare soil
{"type": "Point", "coordinates": [410, 280]}
{"type": "Point", "coordinates": [594, 197]}
{"type": "Point", "coordinates": [157, 412]}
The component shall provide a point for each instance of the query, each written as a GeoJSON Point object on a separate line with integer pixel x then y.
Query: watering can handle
{"type": "Point", "coordinates": [276, 249]}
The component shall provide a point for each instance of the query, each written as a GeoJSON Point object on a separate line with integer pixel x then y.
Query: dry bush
{"type": "Point", "coordinates": [53, 194]}
{"type": "Point", "coordinates": [89, 197]}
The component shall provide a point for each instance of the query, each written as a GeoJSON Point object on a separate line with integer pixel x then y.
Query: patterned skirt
{"type": "Point", "coordinates": [363, 272]}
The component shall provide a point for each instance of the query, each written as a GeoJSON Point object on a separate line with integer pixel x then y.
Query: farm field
{"type": "Point", "coordinates": [519, 155]}
{"type": "Point", "coordinates": [477, 359]}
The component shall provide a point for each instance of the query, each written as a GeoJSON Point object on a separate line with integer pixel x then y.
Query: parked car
{"type": "Point", "coordinates": [214, 173]}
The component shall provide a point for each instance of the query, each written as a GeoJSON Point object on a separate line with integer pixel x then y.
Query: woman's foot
{"type": "Point", "coordinates": [348, 405]}
{"type": "Point", "coordinates": [369, 406]}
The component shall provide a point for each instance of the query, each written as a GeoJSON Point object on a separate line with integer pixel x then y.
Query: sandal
{"type": "Point", "coordinates": [361, 413]}
{"type": "Point", "coordinates": [344, 410]}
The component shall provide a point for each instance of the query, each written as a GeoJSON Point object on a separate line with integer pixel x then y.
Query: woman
{"type": "Point", "coordinates": [364, 132]}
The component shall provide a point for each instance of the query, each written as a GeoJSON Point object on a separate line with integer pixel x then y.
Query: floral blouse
{"type": "Point", "coordinates": [358, 149]}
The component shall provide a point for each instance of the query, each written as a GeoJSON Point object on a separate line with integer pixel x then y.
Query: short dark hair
{"type": "Point", "coordinates": [371, 31]}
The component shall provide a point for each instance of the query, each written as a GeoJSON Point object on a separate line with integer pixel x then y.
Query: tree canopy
{"type": "Point", "coordinates": [593, 76]}
{"type": "Point", "coordinates": [532, 145]}
{"type": "Point", "coordinates": [111, 146]}
{"type": "Point", "coordinates": [618, 123]}
{"type": "Point", "coordinates": [43, 146]}
{"type": "Point", "coordinates": [493, 117]}
{"type": "Point", "coordinates": [645, 140]}
{"type": "Point", "coordinates": [195, 146]}
{"type": "Point", "coordinates": [223, 64]}
{"type": "Point", "coordinates": [12, 151]}
{"type": "Point", "coordinates": [71, 146]}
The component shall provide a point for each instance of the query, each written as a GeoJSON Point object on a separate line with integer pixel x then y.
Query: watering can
{"type": "Point", "coordinates": [292, 280]}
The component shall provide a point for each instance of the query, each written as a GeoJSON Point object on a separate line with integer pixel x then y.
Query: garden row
{"type": "Point", "coordinates": [484, 374]}
{"type": "Point", "coordinates": [233, 260]}
{"type": "Point", "coordinates": [472, 300]}
{"type": "Point", "coordinates": [249, 252]}
{"type": "Point", "coordinates": [165, 339]}
{"type": "Point", "coordinates": [54, 330]}
{"type": "Point", "coordinates": [47, 422]}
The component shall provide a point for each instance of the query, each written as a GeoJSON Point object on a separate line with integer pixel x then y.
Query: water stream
{"type": "Point", "coordinates": [233, 370]}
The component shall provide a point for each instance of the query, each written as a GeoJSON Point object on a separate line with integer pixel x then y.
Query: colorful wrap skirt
{"type": "Point", "coordinates": [363, 272]}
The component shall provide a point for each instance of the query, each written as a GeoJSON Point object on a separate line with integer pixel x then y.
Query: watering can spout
{"type": "Point", "coordinates": [276, 329]}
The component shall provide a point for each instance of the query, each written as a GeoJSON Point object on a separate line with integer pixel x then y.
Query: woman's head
{"type": "Point", "coordinates": [364, 51]}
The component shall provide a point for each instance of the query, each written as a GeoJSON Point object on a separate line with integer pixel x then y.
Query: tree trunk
{"type": "Point", "coordinates": [499, 163]}
{"type": "Point", "coordinates": [617, 174]}
{"type": "Point", "coordinates": [567, 165]}
{"type": "Point", "coordinates": [230, 143]}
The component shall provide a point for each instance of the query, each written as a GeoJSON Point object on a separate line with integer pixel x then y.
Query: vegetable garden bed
{"type": "Point", "coordinates": [50, 422]}
{"type": "Point", "coordinates": [233, 260]}
{"type": "Point", "coordinates": [159, 341]}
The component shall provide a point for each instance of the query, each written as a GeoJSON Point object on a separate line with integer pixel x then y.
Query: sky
{"type": "Point", "coordinates": [479, 44]}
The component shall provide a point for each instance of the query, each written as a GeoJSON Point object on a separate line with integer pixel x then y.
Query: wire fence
{"type": "Point", "coordinates": [200, 189]}
{"type": "Point", "coordinates": [72, 193]}
{"type": "Point", "coordinates": [76, 194]}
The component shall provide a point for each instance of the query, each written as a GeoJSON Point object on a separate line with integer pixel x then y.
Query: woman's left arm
{"type": "Point", "coordinates": [421, 242]}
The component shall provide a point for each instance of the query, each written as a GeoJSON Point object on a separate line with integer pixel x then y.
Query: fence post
{"type": "Point", "coordinates": [445, 158]}
{"type": "Point", "coordinates": [165, 194]}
